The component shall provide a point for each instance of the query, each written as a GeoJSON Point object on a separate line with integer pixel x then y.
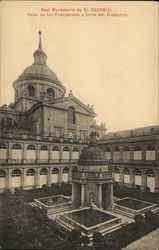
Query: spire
{"type": "Point", "coordinates": [40, 44]}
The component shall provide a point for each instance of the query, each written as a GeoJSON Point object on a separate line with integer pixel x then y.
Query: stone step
{"type": "Point", "coordinates": [118, 211]}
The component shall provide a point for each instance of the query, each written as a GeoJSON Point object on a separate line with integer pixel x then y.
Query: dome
{"type": "Point", "coordinates": [93, 154]}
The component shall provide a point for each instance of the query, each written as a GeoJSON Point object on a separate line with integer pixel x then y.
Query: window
{"type": "Point", "coordinates": [31, 90]}
{"type": "Point", "coordinates": [55, 171]}
{"type": "Point", "coordinates": [71, 115]}
{"type": "Point", "coordinates": [30, 172]}
{"type": "Point", "coordinates": [2, 173]}
{"type": "Point", "coordinates": [55, 148]}
{"type": "Point", "coordinates": [137, 172]}
{"type": "Point", "coordinates": [51, 92]}
{"type": "Point", "coordinates": [16, 172]}
{"type": "Point", "coordinates": [58, 133]}
{"type": "Point", "coordinates": [31, 147]}
{"type": "Point", "coordinates": [126, 171]}
{"type": "Point", "coordinates": [116, 170]}
{"type": "Point", "coordinates": [70, 134]}
{"type": "Point", "coordinates": [65, 171]}
{"type": "Point", "coordinates": [17, 146]}
{"type": "Point", "coordinates": [137, 148]}
{"type": "Point", "coordinates": [2, 146]}
{"type": "Point", "coordinates": [44, 148]}
{"type": "Point", "coordinates": [43, 171]}
{"type": "Point", "coordinates": [126, 149]}
{"type": "Point", "coordinates": [83, 135]}
{"type": "Point", "coordinates": [150, 173]}
{"type": "Point", "coordinates": [116, 149]}
{"type": "Point", "coordinates": [107, 150]}
{"type": "Point", "coordinates": [8, 123]}
{"type": "Point", "coordinates": [150, 148]}
{"type": "Point", "coordinates": [75, 149]}
{"type": "Point", "coordinates": [66, 149]}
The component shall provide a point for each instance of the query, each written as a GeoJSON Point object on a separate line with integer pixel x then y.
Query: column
{"type": "Point", "coordinates": [24, 156]}
{"type": "Point", "coordinates": [71, 154]}
{"type": "Point", "coordinates": [132, 179]}
{"type": "Point", "coordinates": [61, 149]}
{"type": "Point", "coordinates": [143, 180]}
{"type": "Point", "coordinates": [8, 178]}
{"type": "Point", "coordinates": [60, 175]}
{"type": "Point", "coordinates": [24, 184]}
{"type": "Point", "coordinates": [9, 151]}
{"type": "Point", "coordinates": [70, 175]}
{"type": "Point", "coordinates": [109, 196]}
{"type": "Point", "coordinates": [82, 195]}
{"type": "Point", "coordinates": [157, 182]}
{"type": "Point", "coordinates": [37, 178]}
{"type": "Point", "coordinates": [49, 177]}
{"type": "Point", "coordinates": [49, 153]}
{"type": "Point", "coordinates": [38, 153]}
{"type": "Point", "coordinates": [100, 195]}
{"type": "Point", "coordinates": [121, 175]}
{"type": "Point", "coordinates": [131, 153]}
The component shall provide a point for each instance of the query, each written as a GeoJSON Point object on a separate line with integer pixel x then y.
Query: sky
{"type": "Point", "coordinates": [110, 61]}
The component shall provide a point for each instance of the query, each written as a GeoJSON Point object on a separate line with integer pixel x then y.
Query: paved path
{"type": "Point", "coordinates": [148, 242]}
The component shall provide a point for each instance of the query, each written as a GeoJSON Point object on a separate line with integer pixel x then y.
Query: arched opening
{"type": "Point", "coordinates": [126, 153]}
{"type": "Point", "coordinates": [55, 153]}
{"type": "Point", "coordinates": [74, 169]}
{"type": "Point", "coordinates": [44, 153]}
{"type": "Point", "coordinates": [150, 153]}
{"type": "Point", "coordinates": [17, 152]}
{"type": "Point", "coordinates": [65, 175]}
{"type": "Point", "coordinates": [31, 152]}
{"type": "Point", "coordinates": [137, 175]}
{"type": "Point", "coordinates": [126, 175]}
{"type": "Point", "coordinates": [55, 175]}
{"type": "Point", "coordinates": [75, 154]}
{"type": "Point", "coordinates": [3, 151]}
{"type": "Point", "coordinates": [16, 178]}
{"type": "Point", "coordinates": [2, 179]}
{"type": "Point", "coordinates": [51, 92]}
{"type": "Point", "coordinates": [151, 180]}
{"type": "Point", "coordinates": [43, 177]}
{"type": "Point", "coordinates": [31, 90]}
{"type": "Point", "coordinates": [30, 177]}
{"type": "Point", "coordinates": [7, 123]}
{"type": "Point", "coordinates": [137, 153]}
{"type": "Point", "coordinates": [66, 153]}
{"type": "Point", "coordinates": [71, 115]}
{"type": "Point", "coordinates": [107, 153]}
{"type": "Point", "coordinates": [116, 175]}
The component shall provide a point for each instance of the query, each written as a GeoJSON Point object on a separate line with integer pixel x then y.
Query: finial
{"type": "Point", "coordinates": [40, 45]}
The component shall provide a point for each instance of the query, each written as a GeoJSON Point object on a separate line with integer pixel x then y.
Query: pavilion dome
{"type": "Point", "coordinates": [93, 154]}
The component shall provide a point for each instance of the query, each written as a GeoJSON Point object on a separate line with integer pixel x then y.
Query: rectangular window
{"type": "Point", "coordinates": [83, 135]}
{"type": "Point", "coordinates": [58, 133]}
{"type": "Point", "coordinates": [70, 134]}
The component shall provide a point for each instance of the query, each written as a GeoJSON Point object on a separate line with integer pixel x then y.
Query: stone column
{"type": "Point", "coordinates": [60, 175]}
{"type": "Point", "coordinates": [38, 153]}
{"type": "Point", "coordinates": [121, 175]}
{"type": "Point", "coordinates": [82, 195]}
{"type": "Point", "coordinates": [8, 178]}
{"type": "Point", "coordinates": [37, 178]}
{"type": "Point", "coordinates": [61, 149]}
{"type": "Point", "coordinates": [71, 154]}
{"type": "Point", "coordinates": [143, 180]}
{"type": "Point", "coordinates": [9, 152]}
{"type": "Point", "coordinates": [49, 154]}
{"type": "Point", "coordinates": [100, 195]}
{"type": "Point", "coordinates": [24, 184]}
{"type": "Point", "coordinates": [24, 154]}
{"type": "Point", "coordinates": [132, 177]}
{"type": "Point", "coordinates": [110, 196]}
{"type": "Point", "coordinates": [49, 177]}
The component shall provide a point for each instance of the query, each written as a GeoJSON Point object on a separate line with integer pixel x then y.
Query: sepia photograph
{"type": "Point", "coordinates": [79, 125]}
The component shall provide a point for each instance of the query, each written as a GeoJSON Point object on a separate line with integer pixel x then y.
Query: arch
{"type": "Point", "coordinates": [65, 174]}
{"type": "Point", "coordinates": [16, 172]}
{"type": "Point", "coordinates": [51, 92]}
{"type": "Point", "coordinates": [137, 171]}
{"type": "Point", "coordinates": [31, 90]}
{"type": "Point", "coordinates": [55, 148]}
{"type": "Point", "coordinates": [126, 171]}
{"type": "Point", "coordinates": [150, 148]}
{"type": "Point", "coordinates": [30, 172]}
{"type": "Point", "coordinates": [2, 173]}
{"type": "Point", "coordinates": [150, 173]}
{"type": "Point", "coordinates": [8, 122]}
{"type": "Point", "coordinates": [126, 149]}
{"type": "Point", "coordinates": [75, 149]}
{"type": "Point", "coordinates": [71, 115]}
{"type": "Point", "coordinates": [107, 150]}
{"type": "Point", "coordinates": [137, 177]}
{"type": "Point", "coordinates": [137, 148]}
{"type": "Point", "coordinates": [65, 170]}
{"type": "Point", "coordinates": [55, 171]}
{"type": "Point", "coordinates": [2, 146]}
{"type": "Point", "coordinates": [116, 149]}
{"type": "Point", "coordinates": [16, 146]}
{"type": "Point", "coordinates": [116, 170]}
{"type": "Point", "coordinates": [43, 171]}
{"type": "Point", "coordinates": [44, 148]}
{"type": "Point", "coordinates": [74, 168]}
{"type": "Point", "coordinates": [66, 149]}
{"type": "Point", "coordinates": [31, 147]}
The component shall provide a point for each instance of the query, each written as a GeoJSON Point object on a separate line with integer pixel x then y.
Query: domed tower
{"type": "Point", "coordinates": [38, 82]}
{"type": "Point", "coordinates": [92, 183]}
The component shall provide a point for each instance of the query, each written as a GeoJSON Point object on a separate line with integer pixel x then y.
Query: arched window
{"type": "Point", "coordinates": [116, 170]}
{"type": "Point", "coordinates": [51, 92]}
{"type": "Point", "coordinates": [44, 148]}
{"type": "Point", "coordinates": [55, 148]}
{"type": "Point", "coordinates": [66, 149]}
{"type": "Point", "coordinates": [17, 146]}
{"type": "Point", "coordinates": [43, 171]}
{"type": "Point", "coordinates": [30, 172]}
{"type": "Point", "coordinates": [126, 171]}
{"type": "Point", "coordinates": [150, 173]}
{"type": "Point", "coordinates": [71, 115]}
{"type": "Point", "coordinates": [74, 169]}
{"type": "Point", "coordinates": [2, 146]}
{"type": "Point", "coordinates": [75, 149]}
{"type": "Point", "coordinates": [31, 147]}
{"type": "Point", "coordinates": [150, 148]}
{"type": "Point", "coordinates": [55, 171]}
{"type": "Point", "coordinates": [116, 149]}
{"type": "Point", "coordinates": [2, 173]}
{"type": "Point", "coordinates": [137, 172]}
{"type": "Point", "coordinates": [137, 148]}
{"type": "Point", "coordinates": [107, 150]}
{"type": "Point", "coordinates": [16, 172]}
{"type": "Point", "coordinates": [126, 149]}
{"type": "Point", "coordinates": [65, 170]}
{"type": "Point", "coordinates": [31, 90]}
{"type": "Point", "coordinates": [8, 122]}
